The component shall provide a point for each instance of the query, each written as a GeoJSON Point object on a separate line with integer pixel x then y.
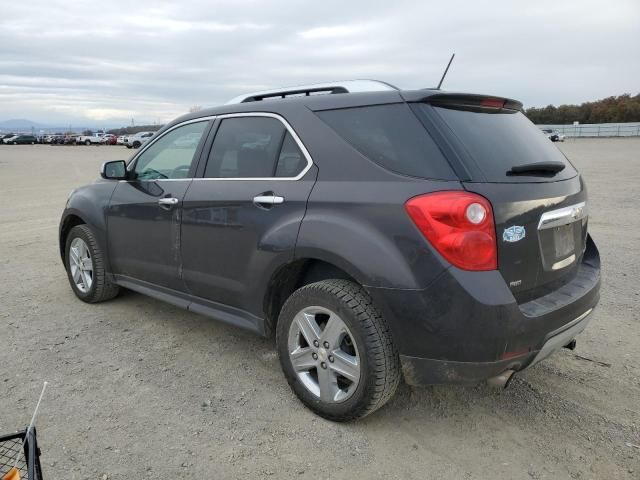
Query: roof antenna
{"type": "Point", "coordinates": [445, 71]}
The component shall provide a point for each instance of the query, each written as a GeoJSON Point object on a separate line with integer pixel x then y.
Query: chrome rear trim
{"type": "Point", "coordinates": [563, 216]}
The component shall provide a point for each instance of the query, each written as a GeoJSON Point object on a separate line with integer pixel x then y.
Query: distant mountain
{"type": "Point", "coordinates": [20, 124]}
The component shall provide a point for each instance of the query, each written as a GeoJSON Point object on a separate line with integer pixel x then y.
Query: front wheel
{"type": "Point", "coordinates": [336, 350]}
{"type": "Point", "coordinates": [84, 261]}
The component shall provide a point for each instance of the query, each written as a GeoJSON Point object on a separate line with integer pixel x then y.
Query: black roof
{"type": "Point", "coordinates": [338, 100]}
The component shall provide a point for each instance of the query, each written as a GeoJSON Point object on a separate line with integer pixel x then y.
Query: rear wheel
{"type": "Point", "coordinates": [87, 142]}
{"type": "Point", "coordinates": [336, 350]}
{"type": "Point", "coordinates": [85, 267]}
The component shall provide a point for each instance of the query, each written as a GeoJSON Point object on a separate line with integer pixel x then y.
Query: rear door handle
{"type": "Point", "coordinates": [268, 200]}
{"type": "Point", "coordinates": [168, 202]}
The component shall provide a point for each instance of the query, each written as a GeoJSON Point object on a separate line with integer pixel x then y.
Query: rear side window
{"type": "Point", "coordinates": [254, 147]}
{"type": "Point", "coordinates": [291, 160]}
{"type": "Point", "coordinates": [245, 147]}
{"type": "Point", "coordinates": [498, 141]}
{"type": "Point", "coordinates": [391, 136]}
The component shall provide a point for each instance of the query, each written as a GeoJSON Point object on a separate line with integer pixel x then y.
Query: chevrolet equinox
{"type": "Point", "coordinates": [374, 232]}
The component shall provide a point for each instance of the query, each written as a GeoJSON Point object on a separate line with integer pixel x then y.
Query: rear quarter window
{"type": "Point", "coordinates": [391, 136]}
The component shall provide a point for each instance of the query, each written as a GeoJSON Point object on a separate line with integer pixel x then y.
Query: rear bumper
{"type": "Point", "coordinates": [424, 371]}
{"type": "Point", "coordinates": [467, 327]}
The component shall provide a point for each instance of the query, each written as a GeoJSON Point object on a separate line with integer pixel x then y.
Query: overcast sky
{"type": "Point", "coordinates": [63, 61]}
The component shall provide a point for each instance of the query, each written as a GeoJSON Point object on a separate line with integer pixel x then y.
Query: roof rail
{"type": "Point", "coordinates": [344, 86]}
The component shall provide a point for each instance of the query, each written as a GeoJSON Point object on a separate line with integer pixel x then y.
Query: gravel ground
{"type": "Point", "coordinates": [140, 389]}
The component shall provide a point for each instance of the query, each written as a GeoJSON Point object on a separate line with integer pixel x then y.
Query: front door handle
{"type": "Point", "coordinates": [168, 202]}
{"type": "Point", "coordinates": [268, 200]}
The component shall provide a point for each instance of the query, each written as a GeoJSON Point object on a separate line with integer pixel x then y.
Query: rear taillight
{"type": "Point", "coordinates": [493, 102]}
{"type": "Point", "coordinates": [459, 225]}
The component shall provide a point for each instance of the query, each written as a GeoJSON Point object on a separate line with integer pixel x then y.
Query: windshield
{"type": "Point", "coordinates": [498, 141]}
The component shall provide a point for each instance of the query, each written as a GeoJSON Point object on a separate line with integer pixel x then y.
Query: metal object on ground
{"type": "Point", "coordinates": [502, 380]}
{"type": "Point", "coordinates": [28, 462]}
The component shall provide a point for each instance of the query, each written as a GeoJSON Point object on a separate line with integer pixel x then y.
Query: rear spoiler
{"type": "Point", "coordinates": [465, 101]}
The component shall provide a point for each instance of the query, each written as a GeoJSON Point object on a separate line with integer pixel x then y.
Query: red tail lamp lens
{"type": "Point", "coordinates": [460, 227]}
{"type": "Point", "coordinates": [492, 102]}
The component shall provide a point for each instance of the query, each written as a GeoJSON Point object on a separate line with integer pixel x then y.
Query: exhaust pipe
{"type": "Point", "coordinates": [502, 380]}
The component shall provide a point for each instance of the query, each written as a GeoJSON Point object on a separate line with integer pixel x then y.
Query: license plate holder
{"type": "Point", "coordinates": [563, 241]}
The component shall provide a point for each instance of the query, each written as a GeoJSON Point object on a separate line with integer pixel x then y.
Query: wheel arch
{"type": "Point", "coordinates": [296, 274]}
{"type": "Point", "coordinates": [87, 205]}
{"type": "Point", "coordinates": [68, 222]}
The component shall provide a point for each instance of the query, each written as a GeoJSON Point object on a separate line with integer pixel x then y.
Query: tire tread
{"type": "Point", "coordinates": [384, 373]}
{"type": "Point", "coordinates": [104, 288]}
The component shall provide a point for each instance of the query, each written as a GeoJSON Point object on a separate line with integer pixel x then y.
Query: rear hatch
{"type": "Point", "coordinates": [539, 200]}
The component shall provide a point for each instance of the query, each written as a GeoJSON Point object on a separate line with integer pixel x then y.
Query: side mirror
{"type": "Point", "coordinates": [114, 170]}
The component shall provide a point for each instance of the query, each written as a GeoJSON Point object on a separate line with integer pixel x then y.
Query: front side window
{"type": "Point", "coordinates": [171, 156]}
{"type": "Point", "coordinates": [246, 147]}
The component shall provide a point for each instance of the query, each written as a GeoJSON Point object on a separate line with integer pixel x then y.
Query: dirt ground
{"type": "Point", "coordinates": [140, 389]}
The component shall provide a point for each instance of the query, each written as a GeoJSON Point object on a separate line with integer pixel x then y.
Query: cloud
{"type": "Point", "coordinates": [83, 62]}
{"type": "Point", "coordinates": [336, 31]}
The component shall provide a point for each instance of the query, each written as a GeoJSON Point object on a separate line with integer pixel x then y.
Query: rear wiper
{"type": "Point", "coordinates": [537, 168]}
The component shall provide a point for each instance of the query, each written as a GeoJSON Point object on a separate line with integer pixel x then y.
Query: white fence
{"type": "Point", "coordinates": [597, 129]}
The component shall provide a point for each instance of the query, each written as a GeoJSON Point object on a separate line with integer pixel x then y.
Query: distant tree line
{"type": "Point", "coordinates": [136, 129]}
{"type": "Point", "coordinates": [623, 108]}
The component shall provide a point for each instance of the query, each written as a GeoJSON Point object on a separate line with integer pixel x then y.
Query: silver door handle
{"type": "Point", "coordinates": [168, 201]}
{"type": "Point", "coordinates": [268, 199]}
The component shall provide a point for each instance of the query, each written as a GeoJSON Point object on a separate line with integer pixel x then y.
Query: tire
{"type": "Point", "coordinates": [100, 288]}
{"type": "Point", "coordinates": [136, 144]}
{"type": "Point", "coordinates": [87, 142]}
{"type": "Point", "coordinates": [370, 341]}
{"type": "Point", "coordinates": [128, 146]}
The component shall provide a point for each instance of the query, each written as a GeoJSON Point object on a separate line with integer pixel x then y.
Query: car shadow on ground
{"type": "Point", "coordinates": [523, 402]}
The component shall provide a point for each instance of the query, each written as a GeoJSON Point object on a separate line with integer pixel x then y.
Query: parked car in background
{"type": "Point", "coordinates": [374, 232]}
{"type": "Point", "coordinates": [553, 135]}
{"type": "Point", "coordinates": [122, 139]}
{"type": "Point", "coordinates": [109, 139]}
{"type": "Point", "coordinates": [95, 139]}
{"type": "Point", "coordinates": [5, 136]}
{"type": "Point", "coordinates": [69, 139]}
{"type": "Point", "coordinates": [53, 138]}
{"type": "Point", "coordinates": [138, 139]}
{"type": "Point", "coordinates": [21, 140]}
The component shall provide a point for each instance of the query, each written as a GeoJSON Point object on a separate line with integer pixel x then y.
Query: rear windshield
{"type": "Point", "coordinates": [498, 141]}
{"type": "Point", "coordinates": [391, 136]}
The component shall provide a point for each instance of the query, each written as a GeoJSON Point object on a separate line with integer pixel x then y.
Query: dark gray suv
{"type": "Point", "coordinates": [374, 232]}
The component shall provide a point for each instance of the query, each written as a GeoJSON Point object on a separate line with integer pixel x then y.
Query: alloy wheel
{"type": "Point", "coordinates": [81, 265]}
{"type": "Point", "coordinates": [323, 354]}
